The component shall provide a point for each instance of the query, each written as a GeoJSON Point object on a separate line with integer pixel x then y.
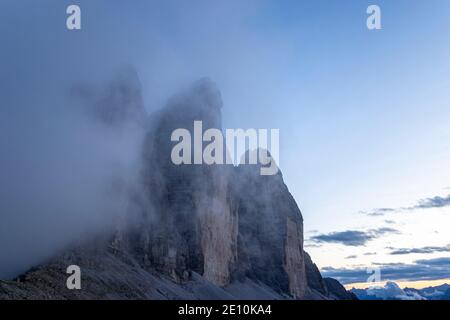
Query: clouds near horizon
{"type": "Point", "coordinates": [427, 203]}
{"type": "Point", "coordinates": [422, 250]}
{"type": "Point", "coordinates": [353, 238]}
{"type": "Point", "coordinates": [424, 269]}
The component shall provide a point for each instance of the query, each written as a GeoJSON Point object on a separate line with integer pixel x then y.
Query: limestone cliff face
{"type": "Point", "coordinates": [314, 278]}
{"type": "Point", "coordinates": [190, 231]}
{"type": "Point", "coordinates": [192, 216]}
{"type": "Point", "coordinates": [270, 241]}
{"type": "Point", "coordinates": [218, 220]}
{"type": "Point", "coordinates": [323, 288]}
{"type": "Point", "coordinates": [294, 259]}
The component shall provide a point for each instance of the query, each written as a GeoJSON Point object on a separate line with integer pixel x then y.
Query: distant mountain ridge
{"type": "Point", "coordinates": [391, 291]}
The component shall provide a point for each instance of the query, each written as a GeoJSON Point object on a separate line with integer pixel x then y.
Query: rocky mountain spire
{"type": "Point", "coordinates": [190, 231]}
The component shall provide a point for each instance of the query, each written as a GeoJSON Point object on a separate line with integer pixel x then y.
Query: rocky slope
{"type": "Point", "coordinates": [190, 231]}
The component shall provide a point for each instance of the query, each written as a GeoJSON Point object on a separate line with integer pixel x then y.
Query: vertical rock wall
{"type": "Point", "coordinates": [217, 220]}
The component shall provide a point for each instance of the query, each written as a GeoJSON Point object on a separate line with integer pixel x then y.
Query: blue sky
{"type": "Point", "coordinates": [363, 115]}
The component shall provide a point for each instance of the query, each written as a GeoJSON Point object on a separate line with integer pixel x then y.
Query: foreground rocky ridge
{"type": "Point", "coordinates": [191, 231]}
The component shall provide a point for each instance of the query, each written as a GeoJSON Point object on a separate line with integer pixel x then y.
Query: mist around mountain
{"type": "Point", "coordinates": [392, 291]}
{"type": "Point", "coordinates": [178, 231]}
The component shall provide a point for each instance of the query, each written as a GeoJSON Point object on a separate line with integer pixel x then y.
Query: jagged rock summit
{"type": "Point", "coordinates": [191, 231]}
